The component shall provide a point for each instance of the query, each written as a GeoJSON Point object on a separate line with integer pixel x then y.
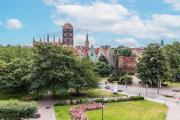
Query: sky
{"type": "Point", "coordinates": [132, 23]}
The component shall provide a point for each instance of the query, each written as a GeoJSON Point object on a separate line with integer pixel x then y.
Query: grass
{"type": "Point", "coordinates": [62, 112]}
{"type": "Point", "coordinates": [132, 110]}
{"type": "Point", "coordinates": [173, 84]}
{"type": "Point", "coordinates": [89, 94]}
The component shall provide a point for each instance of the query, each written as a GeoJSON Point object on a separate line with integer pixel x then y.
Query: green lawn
{"type": "Point", "coordinates": [133, 110]}
{"type": "Point", "coordinates": [173, 84]}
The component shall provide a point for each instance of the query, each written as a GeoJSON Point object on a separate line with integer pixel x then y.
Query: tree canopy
{"type": "Point", "coordinates": [172, 53]}
{"type": "Point", "coordinates": [153, 66]}
{"type": "Point", "coordinates": [14, 67]}
{"type": "Point", "coordinates": [103, 59]}
{"type": "Point", "coordinates": [56, 67]}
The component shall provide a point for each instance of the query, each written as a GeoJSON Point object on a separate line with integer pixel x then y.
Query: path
{"type": "Point", "coordinates": [46, 109]}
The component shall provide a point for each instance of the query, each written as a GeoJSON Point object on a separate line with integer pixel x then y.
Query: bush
{"type": "Point", "coordinates": [137, 98]}
{"type": "Point", "coordinates": [71, 102]}
{"type": "Point", "coordinates": [17, 110]}
{"type": "Point", "coordinates": [132, 98]}
{"type": "Point", "coordinates": [113, 77]}
{"type": "Point", "coordinates": [127, 79]}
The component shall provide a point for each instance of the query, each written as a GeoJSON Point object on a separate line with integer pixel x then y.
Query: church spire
{"type": "Point", "coordinates": [87, 40]}
{"type": "Point", "coordinates": [48, 38]}
{"type": "Point", "coordinates": [54, 40]}
{"type": "Point", "coordinates": [59, 40]}
{"type": "Point", "coordinates": [162, 42]}
{"type": "Point", "coordinates": [34, 40]}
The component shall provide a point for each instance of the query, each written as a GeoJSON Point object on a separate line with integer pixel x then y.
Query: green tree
{"type": "Point", "coordinates": [153, 66]}
{"type": "Point", "coordinates": [14, 67]}
{"type": "Point", "coordinates": [103, 59]}
{"type": "Point", "coordinates": [103, 69]}
{"type": "Point", "coordinates": [13, 76]}
{"type": "Point", "coordinates": [84, 77]}
{"type": "Point", "coordinates": [173, 56]}
{"type": "Point", "coordinates": [56, 68]}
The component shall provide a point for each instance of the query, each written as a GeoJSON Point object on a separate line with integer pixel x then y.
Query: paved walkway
{"type": "Point", "coordinates": [46, 109]}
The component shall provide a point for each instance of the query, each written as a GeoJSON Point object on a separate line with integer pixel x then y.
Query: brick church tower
{"type": "Point", "coordinates": [68, 34]}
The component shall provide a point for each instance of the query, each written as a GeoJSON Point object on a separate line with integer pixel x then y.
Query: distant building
{"type": "Point", "coordinates": [68, 34]}
{"type": "Point", "coordinates": [127, 64]}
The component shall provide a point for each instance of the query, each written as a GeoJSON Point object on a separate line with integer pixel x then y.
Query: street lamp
{"type": "Point", "coordinates": [102, 108]}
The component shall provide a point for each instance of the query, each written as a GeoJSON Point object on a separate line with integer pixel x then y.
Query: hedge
{"type": "Point", "coordinates": [17, 110]}
{"type": "Point", "coordinates": [98, 100]}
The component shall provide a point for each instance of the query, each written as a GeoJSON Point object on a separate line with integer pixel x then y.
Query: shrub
{"type": "Point", "coordinates": [127, 79]}
{"type": "Point", "coordinates": [137, 98]}
{"type": "Point", "coordinates": [60, 103]}
{"type": "Point", "coordinates": [113, 77]}
{"type": "Point", "coordinates": [132, 98]}
{"type": "Point", "coordinates": [16, 110]}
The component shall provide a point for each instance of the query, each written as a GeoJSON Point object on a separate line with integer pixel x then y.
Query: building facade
{"type": "Point", "coordinates": [68, 34]}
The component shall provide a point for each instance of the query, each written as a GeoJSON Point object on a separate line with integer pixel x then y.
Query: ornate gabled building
{"type": "Point", "coordinates": [68, 34]}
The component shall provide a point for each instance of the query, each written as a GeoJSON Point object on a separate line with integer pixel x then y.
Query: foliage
{"type": "Point", "coordinates": [126, 79]}
{"type": "Point", "coordinates": [113, 77]}
{"type": "Point", "coordinates": [123, 51]}
{"type": "Point", "coordinates": [137, 98]}
{"type": "Point", "coordinates": [14, 67]}
{"type": "Point", "coordinates": [95, 93]}
{"type": "Point", "coordinates": [103, 59]}
{"type": "Point", "coordinates": [103, 69]}
{"type": "Point", "coordinates": [173, 56]}
{"type": "Point", "coordinates": [16, 110]}
{"type": "Point", "coordinates": [8, 53]}
{"type": "Point", "coordinates": [56, 68]}
{"type": "Point", "coordinates": [153, 66]}
{"type": "Point", "coordinates": [177, 74]}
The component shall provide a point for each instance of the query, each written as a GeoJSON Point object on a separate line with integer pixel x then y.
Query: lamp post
{"type": "Point", "coordinates": [102, 108]}
{"type": "Point", "coordinates": [146, 90]}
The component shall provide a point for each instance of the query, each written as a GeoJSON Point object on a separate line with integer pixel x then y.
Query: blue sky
{"type": "Point", "coordinates": [134, 23]}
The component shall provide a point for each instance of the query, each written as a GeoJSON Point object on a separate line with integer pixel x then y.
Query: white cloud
{"type": "Point", "coordinates": [14, 24]}
{"type": "Point", "coordinates": [80, 39]}
{"type": "Point", "coordinates": [175, 4]}
{"type": "Point", "coordinates": [115, 18]}
{"type": "Point", "coordinates": [49, 2]}
{"type": "Point", "coordinates": [130, 42]}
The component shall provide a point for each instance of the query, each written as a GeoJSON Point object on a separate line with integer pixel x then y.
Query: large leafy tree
{"type": "Point", "coordinates": [83, 77]}
{"type": "Point", "coordinates": [56, 67]}
{"type": "Point", "coordinates": [14, 67]}
{"type": "Point", "coordinates": [103, 69]}
{"type": "Point", "coordinates": [173, 56]}
{"type": "Point", "coordinates": [153, 66]}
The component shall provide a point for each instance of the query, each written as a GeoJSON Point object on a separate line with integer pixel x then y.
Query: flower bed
{"type": "Point", "coordinates": [78, 112]}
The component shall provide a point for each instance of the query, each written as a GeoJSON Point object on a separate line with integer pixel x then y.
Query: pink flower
{"type": "Point", "coordinates": [79, 112]}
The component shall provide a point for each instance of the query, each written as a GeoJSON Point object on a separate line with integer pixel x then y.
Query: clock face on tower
{"type": "Point", "coordinates": [68, 34]}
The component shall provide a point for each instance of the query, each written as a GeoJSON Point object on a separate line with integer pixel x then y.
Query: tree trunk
{"type": "Point", "coordinates": [77, 91]}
